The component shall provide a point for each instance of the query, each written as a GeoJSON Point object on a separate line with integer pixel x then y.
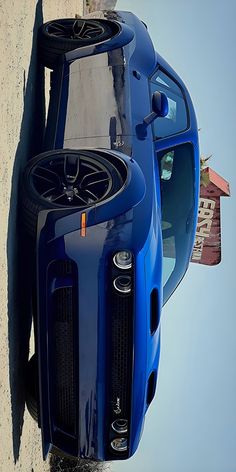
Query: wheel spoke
{"type": "Point", "coordinates": [46, 175]}
{"type": "Point", "coordinates": [96, 182]}
{"type": "Point", "coordinates": [78, 196]}
{"type": "Point", "coordinates": [41, 177]}
{"type": "Point", "coordinates": [86, 30]}
{"type": "Point", "coordinates": [93, 177]}
{"type": "Point", "coordinates": [51, 172]}
{"type": "Point", "coordinates": [71, 168]}
{"type": "Point", "coordinates": [91, 194]}
{"type": "Point", "coordinates": [78, 29]}
{"type": "Point", "coordinates": [58, 26]}
{"type": "Point", "coordinates": [94, 31]}
{"type": "Point", "coordinates": [56, 198]}
{"type": "Point", "coordinates": [60, 30]}
{"type": "Point", "coordinates": [48, 192]}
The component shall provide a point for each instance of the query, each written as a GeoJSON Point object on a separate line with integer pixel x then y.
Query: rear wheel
{"type": "Point", "coordinates": [68, 179]}
{"type": "Point", "coordinates": [60, 36]}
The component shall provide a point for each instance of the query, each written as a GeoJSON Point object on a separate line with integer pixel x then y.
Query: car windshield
{"type": "Point", "coordinates": [176, 167]}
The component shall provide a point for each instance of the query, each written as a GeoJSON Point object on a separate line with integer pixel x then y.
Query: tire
{"type": "Point", "coordinates": [96, 180]}
{"type": "Point", "coordinates": [32, 388]}
{"type": "Point", "coordinates": [60, 36]}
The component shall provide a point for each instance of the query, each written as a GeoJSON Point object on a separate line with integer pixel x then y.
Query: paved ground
{"type": "Point", "coordinates": [22, 115]}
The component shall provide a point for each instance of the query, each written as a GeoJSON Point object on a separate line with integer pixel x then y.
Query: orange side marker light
{"type": "Point", "coordinates": [83, 225]}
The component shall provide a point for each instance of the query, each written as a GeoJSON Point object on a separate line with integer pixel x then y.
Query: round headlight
{"type": "Point", "coordinates": [119, 444]}
{"type": "Point", "coordinates": [123, 259]}
{"type": "Point", "coordinates": [123, 283]}
{"type": "Point", "coordinates": [120, 426]}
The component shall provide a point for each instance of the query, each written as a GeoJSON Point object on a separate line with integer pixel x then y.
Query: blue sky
{"type": "Point", "coordinates": [191, 424]}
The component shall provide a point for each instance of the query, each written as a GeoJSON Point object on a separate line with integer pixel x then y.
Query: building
{"type": "Point", "coordinates": [207, 247]}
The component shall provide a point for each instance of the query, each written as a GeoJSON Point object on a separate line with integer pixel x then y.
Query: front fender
{"type": "Point", "coordinates": [123, 37]}
{"type": "Point", "coordinates": [63, 221]}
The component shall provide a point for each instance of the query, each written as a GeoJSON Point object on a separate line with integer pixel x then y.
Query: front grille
{"type": "Point", "coordinates": [64, 376]}
{"type": "Point", "coordinates": [121, 356]}
{"type": "Point", "coordinates": [61, 268]}
{"type": "Point", "coordinates": [120, 325]}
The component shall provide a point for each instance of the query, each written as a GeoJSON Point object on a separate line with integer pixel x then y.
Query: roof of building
{"type": "Point", "coordinates": [218, 181]}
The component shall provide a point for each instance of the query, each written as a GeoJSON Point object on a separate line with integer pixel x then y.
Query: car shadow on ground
{"type": "Point", "coordinates": [18, 253]}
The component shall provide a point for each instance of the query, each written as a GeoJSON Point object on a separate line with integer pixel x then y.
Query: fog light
{"type": "Point", "coordinates": [120, 426]}
{"type": "Point", "coordinates": [123, 283]}
{"type": "Point", "coordinates": [123, 259]}
{"type": "Point", "coordinates": [119, 444]}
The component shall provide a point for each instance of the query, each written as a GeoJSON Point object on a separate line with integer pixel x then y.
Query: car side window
{"type": "Point", "coordinates": [176, 120]}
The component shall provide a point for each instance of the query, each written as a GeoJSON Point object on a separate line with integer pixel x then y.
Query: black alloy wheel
{"type": "Point", "coordinates": [67, 179]}
{"type": "Point", "coordinates": [71, 180]}
{"type": "Point", "coordinates": [60, 36]}
{"type": "Point", "coordinates": [83, 30]}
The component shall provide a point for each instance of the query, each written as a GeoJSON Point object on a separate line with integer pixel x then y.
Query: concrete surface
{"type": "Point", "coordinates": [22, 116]}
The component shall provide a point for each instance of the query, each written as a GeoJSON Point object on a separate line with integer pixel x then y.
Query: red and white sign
{"type": "Point", "coordinates": [207, 246]}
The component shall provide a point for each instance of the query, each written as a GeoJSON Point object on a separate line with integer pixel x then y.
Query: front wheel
{"type": "Point", "coordinates": [57, 37]}
{"type": "Point", "coordinates": [68, 179]}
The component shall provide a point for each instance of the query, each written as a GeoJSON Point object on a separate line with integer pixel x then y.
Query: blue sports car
{"type": "Point", "coordinates": [111, 208]}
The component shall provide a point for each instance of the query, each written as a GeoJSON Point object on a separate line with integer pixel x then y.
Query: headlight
{"type": "Point", "coordinates": [120, 426]}
{"type": "Point", "coordinates": [119, 444]}
{"type": "Point", "coordinates": [123, 259]}
{"type": "Point", "coordinates": [123, 284]}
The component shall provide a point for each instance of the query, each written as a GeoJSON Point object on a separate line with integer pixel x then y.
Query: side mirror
{"type": "Point", "coordinates": [160, 107]}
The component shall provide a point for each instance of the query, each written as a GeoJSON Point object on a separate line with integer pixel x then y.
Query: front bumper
{"type": "Point", "coordinates": [85, 340]}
